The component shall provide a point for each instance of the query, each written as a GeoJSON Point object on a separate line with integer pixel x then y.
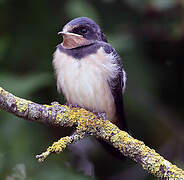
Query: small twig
{"type": "Point", "coordinates": [60, 145]}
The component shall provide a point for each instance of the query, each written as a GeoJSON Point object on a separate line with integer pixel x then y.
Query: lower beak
{"type": "Point", "coordinates": [72, 40]}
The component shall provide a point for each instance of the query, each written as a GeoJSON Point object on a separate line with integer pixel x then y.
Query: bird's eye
{"type": "Point", "coordinates": [80, 30]}
{"type": "Point", "coordinates": [84, 30]}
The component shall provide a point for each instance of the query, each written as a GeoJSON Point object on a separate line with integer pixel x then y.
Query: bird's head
{"type": "Point", "coordinates": [80, 32]}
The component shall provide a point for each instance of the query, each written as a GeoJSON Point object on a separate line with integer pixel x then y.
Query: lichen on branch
{"type": "Point", "coordinates": [88, 123]}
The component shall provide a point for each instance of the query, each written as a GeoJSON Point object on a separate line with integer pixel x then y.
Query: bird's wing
{"type": "Point", "coordinates": [117, 90]}
{"type": "Point", "coordinates": [118, 87]}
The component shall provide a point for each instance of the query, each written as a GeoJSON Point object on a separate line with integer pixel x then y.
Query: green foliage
{"type": "Point", "coordinates": [25, 85]}
{"type": "Point", "coordinates": [4, 43]}
{"type": "Point", "coordinates": [77, 8]}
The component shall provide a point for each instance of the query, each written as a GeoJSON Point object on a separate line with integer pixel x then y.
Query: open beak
{"type": "Point", "coordinates": [72, 40]}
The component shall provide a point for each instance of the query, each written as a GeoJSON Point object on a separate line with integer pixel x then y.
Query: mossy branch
{"type": "Point", "coordinates": [87, 123]}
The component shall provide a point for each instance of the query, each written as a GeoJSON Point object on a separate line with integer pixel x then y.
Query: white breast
{"type": "Point", "coordinates": [85, 82]}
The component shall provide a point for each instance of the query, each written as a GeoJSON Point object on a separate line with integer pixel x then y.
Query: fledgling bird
{"type": "Point", "coordinates": [89, 70]}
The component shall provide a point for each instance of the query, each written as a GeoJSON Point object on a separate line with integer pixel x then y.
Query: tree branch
{"type": "Point", "coordinates": [87, 123]}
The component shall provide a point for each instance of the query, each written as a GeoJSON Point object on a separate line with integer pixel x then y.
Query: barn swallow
{"type": "Point", "coordinates": [89, 70]}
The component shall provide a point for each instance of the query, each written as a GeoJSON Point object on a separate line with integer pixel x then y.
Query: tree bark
{"type": "Point", "coordinates": [87, 123]}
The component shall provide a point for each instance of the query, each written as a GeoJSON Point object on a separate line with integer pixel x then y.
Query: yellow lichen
{"type": "Point", "coordinates": [59, 117]}
{"type": "Point", "coordinates": [22, 104]}
{"type": "Point", "coordinates": [47, 106]}
{"type": "Point", "coordinates": [49, 112]}
{"type": "Point", "coordinates": [3, 92]}
{"type": "Point", "coordinates": [56, 147]}
{"type": "Point", "coordinates": [88, 122]}
{"type": "Point", "coordinates": [121, 136]}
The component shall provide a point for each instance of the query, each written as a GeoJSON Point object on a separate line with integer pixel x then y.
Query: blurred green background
{"type": "Point", "coordinates": [148, 35]}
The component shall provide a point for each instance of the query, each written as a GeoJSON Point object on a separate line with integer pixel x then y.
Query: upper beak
{"type": "Point", "coordinates": [60, 33]}
{"type": "Point", "coordinates": [68, 33]}
{"type": "Point", "coordinates": [72, 40]}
